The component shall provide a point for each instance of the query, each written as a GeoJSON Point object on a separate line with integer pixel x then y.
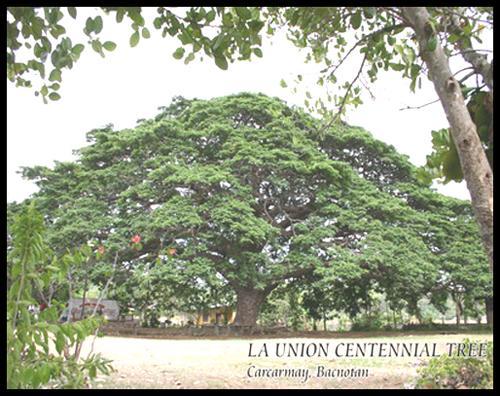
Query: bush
{"type": "Point", "coordinates": [41, 351]}
{"type": "Point", "coordinates": [368, 322]}
{"type": "Point", "coordinates": [451, 372]}
{"type": "Point", "coordinates": [445, 327]}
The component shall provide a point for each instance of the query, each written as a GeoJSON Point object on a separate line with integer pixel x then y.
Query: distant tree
{"type": "Point", "coordinates": [462, 273]}
{"type": "Point", "coordinates": [318, 301]}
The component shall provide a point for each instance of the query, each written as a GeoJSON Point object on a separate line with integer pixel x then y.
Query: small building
{"type": "Point", "coordinates": [107, 308]}
{"type": "Point", "coordinates": [216, 315]}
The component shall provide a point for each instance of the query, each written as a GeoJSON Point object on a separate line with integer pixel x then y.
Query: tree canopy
{"type": "Point", "coordinates": [247, 192]}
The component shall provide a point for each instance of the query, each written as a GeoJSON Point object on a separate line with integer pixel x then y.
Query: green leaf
{"type": "Point", "coordinates": [369, 12]}
{"type": "Point", "coordinates": [227, 19]}
{"type": "Point", "coordinates": [97, 24]}
{"type": "Point", "coordinates": [157, 22]}
{"type": "Point", "coordinates": [135, 15]}
{"type": "Point", "coordinates": [77, 49]}
{"type": "Point", "coordinates": [217, 42]}
{"type": "Point", "coordinates": [89, 25]}
{"type": "Point", "coordinates": [36, 379]}
{"type": "Point", "coordinates": [258, 52]}
{"type": "Point", "coordinates": [397, 66]}
{"type": "Point", "coordinates": [210, 16]}
{"type": "Point", "coordinates": [414, 70]}
{"type": "Point", "coordinates": [432, 43]}
{"type": "Point", "coordinates": [243, 12]}
{"type": "Point", "coordinates": [119, 14]}
{"type": "Point", "coordinates": [97, 46]}
{"type": "Point", "coordinates": [55, 75]}
{"type": "Point", "coordinates": [134, 39]}
{"type": "Point", "coordinates": [221, 62]}
{"type": "Point", "coordinates": [54, 96]}
{"type": "Point", "coordinates": [453, 38]}
{"type": "Point", "coordinates": [72, 12]}
{"type": "Point", "coordinates": [283, 83]}
{"type": "Point", "coordinates": [356, 20]}
{"type": "Point", "coordinates": [59, 342]}
{"type": "Point", "coordinates": [145, 33]}
{"type": "Point", "coordinates": [109, 46]}
{"type": "Point", "coordinates": [57, 31]}
{"type": "Point", "coordinates": [451, 166]}
{"type": "Point", "coordinates": [189, 58]}
{"type": "Point", "coordinates": [179, 53]}
{"type": "Point", "coordinates": [92, 371]}
{"type": "Point", "coordinates": [45, 371]}
{"type": "Point", "coordinates": [255, 25]}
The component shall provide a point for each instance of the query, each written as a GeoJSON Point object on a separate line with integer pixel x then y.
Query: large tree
{"type": "Point", "coordinates": [248, 191]}
{"type": "Point", "coordinates": [416, 41]}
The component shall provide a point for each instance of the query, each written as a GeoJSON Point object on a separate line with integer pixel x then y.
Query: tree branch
{"type": "Point", "coordinates": [361, 41]}
{"type": "Point", "coordinates": [478, 61]}
{"type": "Point", "coordinates": [339, 111]}
{"type": "Point", "coordinates": [418, 107]}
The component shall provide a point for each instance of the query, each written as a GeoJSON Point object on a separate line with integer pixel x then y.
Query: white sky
{"type": "Point", "coordinates": [131, 83]}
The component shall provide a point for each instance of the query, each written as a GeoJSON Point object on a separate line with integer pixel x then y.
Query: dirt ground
{"type": "Point", "coordinates": [224, 363]}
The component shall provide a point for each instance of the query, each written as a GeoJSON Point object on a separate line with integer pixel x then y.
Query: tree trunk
{"type": "Point", "coordinates": [82, 312]}
{"type": "Point", "coordinates": [418, 316]}
{"type": "Point", "coordinates": [458, 311]}
{"type": "Point", "coordinates": [489, 310]}
{"type": "Point", "coordinates": [475, 166]}
{"type": "Point", "coordinates": [248, 303]}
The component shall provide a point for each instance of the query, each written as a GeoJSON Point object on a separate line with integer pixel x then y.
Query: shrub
{"type": "Point", "coordinates": [368, 322]}
{"type": "Point", "coordinates": [41, 352]}
{"type": "Point", "coordinates": [451, 372]}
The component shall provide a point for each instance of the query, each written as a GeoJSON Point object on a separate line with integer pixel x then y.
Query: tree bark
{"type": "Point", "coordinates": [458, 312]}
{"type": "Point", "coordinates": [248, 303]}
{"type": "Point", "coordinates": [475, 166]}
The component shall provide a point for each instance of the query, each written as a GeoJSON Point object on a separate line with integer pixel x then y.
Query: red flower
{"type": "Point", "coordinates": [136, 239]}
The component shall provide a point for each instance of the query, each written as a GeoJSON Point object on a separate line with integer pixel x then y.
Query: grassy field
{"type": "Point", "coordinates": [225, 363]}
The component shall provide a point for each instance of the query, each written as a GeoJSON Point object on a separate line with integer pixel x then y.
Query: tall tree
{"type": "Point", "coordinates": [244, 189]}
{"type": "Point", "coordinates": [475, 166]}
